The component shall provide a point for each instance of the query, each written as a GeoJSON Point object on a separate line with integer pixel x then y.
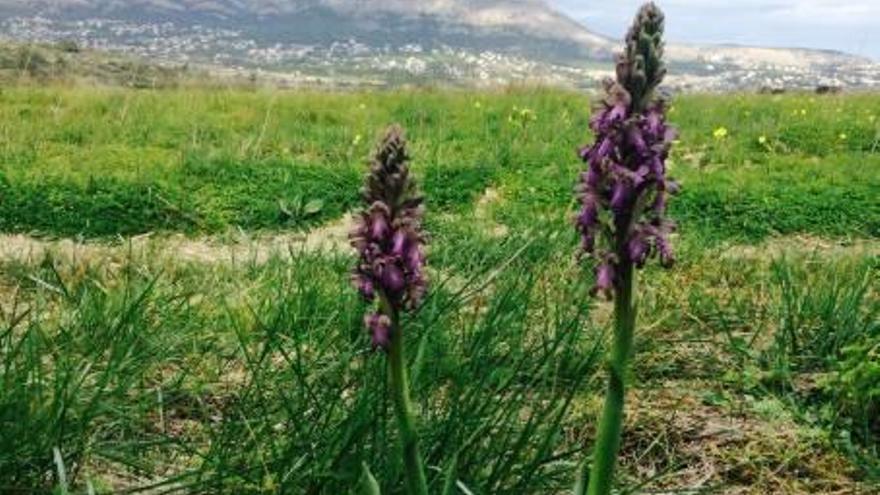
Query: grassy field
{"type": "Point", "coordinates": [107, 162]}
{"type": "Point", "coordinates": [176, 314]}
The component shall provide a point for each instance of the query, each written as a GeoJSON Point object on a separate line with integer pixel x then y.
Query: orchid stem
{"type": "Point", "coordinates": [414, 472]}
{"type": "Point", "coordinates": [607, 446]}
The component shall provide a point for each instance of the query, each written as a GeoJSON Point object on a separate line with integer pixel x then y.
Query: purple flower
{"type": "Point", "coordinates": [620, 194]}
{"type": "Point", "coordinates": [398, 243]}
{"type": "Point", "coordinates": [392, 279]}
{"type": "Point", "coordinates": [378, 221]}
{"type": "Point", "coordinates": [364, 285]}
{"type": "Point", "coordinates": [636, 139]}
{"type": "Point", "coordinates": [661, 241]}
{"type": "Point", "coordinates": [659, 205]}
{"type": "Point", "coordinates": [387, 234]}
{"type": "Point", "coordinates": [638, 249]}
{"type": "Point", "coordinates": [626, 164]}
{"type": "Point", "coordinates": [379, 327]}
{"type": "Point", "coordinates": [604, 280]}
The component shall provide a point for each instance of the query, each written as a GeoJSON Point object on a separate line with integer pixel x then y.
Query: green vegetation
{"type": "Point", "coordinates": [101, 162]}
{"type": "Point", "coordinates": [123, 367]}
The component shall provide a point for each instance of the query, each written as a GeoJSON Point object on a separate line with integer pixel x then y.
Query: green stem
{"type": "Point", "coordinates": [414, 472]}
{"type": "Point", "coordinates": [611, 424]}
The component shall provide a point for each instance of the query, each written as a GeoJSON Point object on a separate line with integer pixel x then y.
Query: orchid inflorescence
{"type": "Point", "coordinates": [624, 191]}
{"type": "Point", "coordinates": [388, 238]}
{"type": "Point", "coordinates": [622, 219]}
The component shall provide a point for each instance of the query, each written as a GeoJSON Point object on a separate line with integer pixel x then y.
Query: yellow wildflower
{"type": "Point", "coordinates": [720, 133]}
{"type": "Point", "coordinates": [521, 117]}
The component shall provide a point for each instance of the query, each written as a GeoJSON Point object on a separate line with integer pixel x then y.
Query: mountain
{"type": "Point", "coordinates": [395, 41]}
{"type": "Point", "coordinates": [521, 27]}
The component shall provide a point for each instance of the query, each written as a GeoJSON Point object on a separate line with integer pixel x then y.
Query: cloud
{"type": "Point", "coordinates": [826, 12]}
{"type": "Point", "coordinates": [849, 25]}
{"type": "Point", "coordinates": [818, 11]}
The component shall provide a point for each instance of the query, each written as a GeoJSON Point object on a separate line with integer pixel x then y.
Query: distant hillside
{"type": "Point", "coordinates": [400, 41]}
{"type": "Point", "coordinates": [67, 62]}
{"type": "Point", "coordinates": [515, 27]}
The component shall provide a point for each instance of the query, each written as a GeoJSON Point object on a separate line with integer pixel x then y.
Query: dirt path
{"type": "Point", "coordinates": [330, 238]}
{"type": "Point", "coordinates": [802, 245]}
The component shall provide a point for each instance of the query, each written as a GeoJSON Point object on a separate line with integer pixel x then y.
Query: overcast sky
{"type": "Point", "coordinates": [849, 25]}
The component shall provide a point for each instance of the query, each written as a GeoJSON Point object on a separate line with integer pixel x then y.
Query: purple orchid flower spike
{"type": "Point", "coordinates": [626, 165]}
{"type": "Point", "coordinates": [390, 271]}
{"type": "Point", "coordinates": [387, 234]}
{"type": "Point", "coordinates": [623, 195]}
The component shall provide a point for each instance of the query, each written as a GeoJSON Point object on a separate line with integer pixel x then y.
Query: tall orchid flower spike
{"type": "Point", "coordinates": [622, 222]}
{"type": "Point", "coordinates": [390, 272]}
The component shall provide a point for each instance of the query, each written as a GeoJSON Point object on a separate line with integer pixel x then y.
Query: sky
{"type": "Point", "coordinates": [848, 25]}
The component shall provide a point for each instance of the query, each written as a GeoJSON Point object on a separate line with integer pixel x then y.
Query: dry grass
{"type": "Point", "coordinates": [682, 441]}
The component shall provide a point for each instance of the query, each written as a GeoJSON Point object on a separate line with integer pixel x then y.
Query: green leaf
{"type": "Point", "coordinates": [369, 485]}
{"type": "Point", "coordinates": [449, 484]}
{"type": "Point", "coordinates": [313, 207]}
{"type": "Point", "coordinates": [284, 210]}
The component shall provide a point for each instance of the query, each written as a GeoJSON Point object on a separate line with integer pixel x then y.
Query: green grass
{"type": "Point", "coordinates": [122, 369]}
{"type": "Point", "coordinates": [235, 380]}
{"type": "Point", "coordinates": [101, 162]}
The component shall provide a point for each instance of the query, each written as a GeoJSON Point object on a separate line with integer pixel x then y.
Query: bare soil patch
{"type": "Point", "coordinates": [800, 245]}
{"type": "Point", "coordinates": [329, 238]}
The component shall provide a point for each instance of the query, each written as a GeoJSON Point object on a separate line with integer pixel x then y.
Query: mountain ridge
{"type": "Point", "coordinates": [431, 38]}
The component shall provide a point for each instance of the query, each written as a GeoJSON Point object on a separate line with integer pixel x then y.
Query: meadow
{"type": "Point", "coordinates": [177, 314]}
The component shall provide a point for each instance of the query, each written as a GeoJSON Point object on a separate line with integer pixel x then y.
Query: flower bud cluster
{"type": "Point", "coordinates": [388, 237]}
{"type": "Point", "coordinates": [624, 191]}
